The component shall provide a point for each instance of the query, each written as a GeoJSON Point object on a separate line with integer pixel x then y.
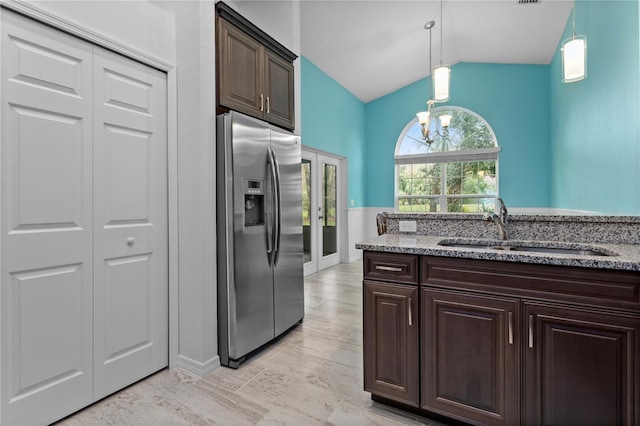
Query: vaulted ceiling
{"type": "Point", "coordinates": [375, 47]}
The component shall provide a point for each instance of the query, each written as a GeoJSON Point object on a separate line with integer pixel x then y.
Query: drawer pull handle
{"type": "Point", "coordinates": [531, 331]}
{"type": "Point", "coordinates": [261, 102]}
{"type": "Point", "coordinates": [511, 328]}
{"type": "Point", "coordinates": [410, 314]}
{"type": "Point", "coordinates": [388, 268]}
{"type": "Point", "coordinates": [268, 109]}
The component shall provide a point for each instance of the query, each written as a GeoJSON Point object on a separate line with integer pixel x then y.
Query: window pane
{"type": "Point", "coordinates": [404, 171]}
{"type": "Point", "coordinates": [425, 205]}
{"type": "Point", "coordinates": [418, 205]}
{"type": "Point", "coordinates": [454, 205]}
{"type": "Point", "coordinates": [487, 171]}
{"type": "Point", "coordinates": [432, 187]}
{"type": "Point", "coordinates": [411, 184]}
{"type": "Point", "coordinates": [434, 182]}
{"type": "Point", "coordinates": [471, 205]}
{"type": "Point", "coordinates": [433, 205]}
{"type": "Point", "coordinates": [404, 205]}
{"type": "Point", "coordinates": [471, 182]}
{"type": "Point", "coordinates": [454, 178]}
{"type": "Point", "coordinates": [413, 143]}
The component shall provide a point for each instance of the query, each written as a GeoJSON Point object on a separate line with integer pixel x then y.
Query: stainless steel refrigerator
{"type": "Point", "coordinates": [259, 224]}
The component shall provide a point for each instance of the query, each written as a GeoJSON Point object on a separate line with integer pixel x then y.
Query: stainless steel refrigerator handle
{"type": "Point", "coordinates": [278, 209]}
{"type": "Point", "coordinates": [271, 238]}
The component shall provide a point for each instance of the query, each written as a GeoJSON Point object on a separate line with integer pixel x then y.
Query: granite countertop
{"type": "Point", "coordinates": [622, 256]}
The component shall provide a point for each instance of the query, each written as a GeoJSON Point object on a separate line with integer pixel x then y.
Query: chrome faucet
{"type": "Point", "coordinates": [500, 219]}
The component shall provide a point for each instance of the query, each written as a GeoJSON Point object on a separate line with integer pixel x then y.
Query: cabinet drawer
{"type": "Point", "coordinates": [400, 268]}
{"type": "Point", "coordinates": [595, 287]}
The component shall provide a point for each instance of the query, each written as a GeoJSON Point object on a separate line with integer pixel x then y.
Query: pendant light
{"type": "Point", "coordinates": [574, 55]}
{"type": "Point", "coordinates": [425, 117]}
{"type": "Point", "coordinates": [440, 75]}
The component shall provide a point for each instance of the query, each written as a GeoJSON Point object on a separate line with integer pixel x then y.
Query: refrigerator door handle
{"type": "Point", "coordinates": [271, 248]}
{"type": "Point", "coordinates": [278, 209]}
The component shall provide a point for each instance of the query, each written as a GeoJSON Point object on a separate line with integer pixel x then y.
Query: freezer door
{"type": "Point", "coordinates": [246, 304]}
{"type": "Point", "coordinates": [288, 269]}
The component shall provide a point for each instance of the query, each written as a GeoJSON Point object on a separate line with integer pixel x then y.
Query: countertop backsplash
{"type": "Point", "coordinates": [569, 228]}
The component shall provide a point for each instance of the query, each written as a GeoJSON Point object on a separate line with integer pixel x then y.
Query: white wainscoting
{"type": "Point", "coordinates": [362, 226]}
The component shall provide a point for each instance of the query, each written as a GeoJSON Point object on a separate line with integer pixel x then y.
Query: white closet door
{"type": "Point", "coordinates": [130, 202]}
{"type": "Point", "coordinates": [46, 234]}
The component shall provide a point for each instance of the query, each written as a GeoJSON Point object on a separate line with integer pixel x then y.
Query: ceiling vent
{"type": "Point", "coordinates": [529, 1]}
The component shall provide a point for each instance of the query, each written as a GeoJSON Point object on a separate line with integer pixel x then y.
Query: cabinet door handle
{"type": "Point", "coordinates": [388, 268]}
{"type": "Point", "coordinates": [268, 109]}
{"type": "Point", "coordinates": [511, 328]}
{"type": "Point", "coordinates": [261, 102]}
{"type": "Point", "coordinates": [531, 331]}
{"type": "Point", "coordinates": [410, 313]}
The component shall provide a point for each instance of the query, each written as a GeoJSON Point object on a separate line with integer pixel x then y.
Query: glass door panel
{"type": "Point", "coordinates": [329, 209]}
{"type": "Point", "coordinates": [306, 208]}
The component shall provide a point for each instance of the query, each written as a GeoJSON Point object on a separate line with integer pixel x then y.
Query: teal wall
{"type": "Point", "coordinates": [333, 120]}
{"type": "Point", "coordinates": [595, 122]}
{"type": "Point", "coordinates": [572, 146]}
{"type": "Point", "coordinates": [514, 99]}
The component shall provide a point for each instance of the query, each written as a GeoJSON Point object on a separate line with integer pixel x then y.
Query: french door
{"type": "Point", "coordinates": [321, 205]}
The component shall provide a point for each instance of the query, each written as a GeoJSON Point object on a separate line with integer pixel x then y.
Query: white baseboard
{"type": "Point", "coordinates": [196, 367]}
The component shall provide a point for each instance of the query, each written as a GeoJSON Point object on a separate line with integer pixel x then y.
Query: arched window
{"type": "Point", "coordinates": [456, 172]}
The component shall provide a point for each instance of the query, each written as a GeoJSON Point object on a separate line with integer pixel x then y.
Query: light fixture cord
{"type": "Point", "coordinates": [441, 25]}
{"type": "Point", "coordinates": [430, 72]}
{"type": "Point", "coordinates": [573, 12]}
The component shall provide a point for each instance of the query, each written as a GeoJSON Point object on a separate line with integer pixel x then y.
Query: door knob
{"type": "Point", "coordinates": [131, 241]}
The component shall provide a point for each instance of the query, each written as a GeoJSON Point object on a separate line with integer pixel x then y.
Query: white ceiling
{"type": "Point", "coordinates": [375, 47]}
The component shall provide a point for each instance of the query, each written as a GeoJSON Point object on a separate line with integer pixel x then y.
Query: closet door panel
{"type": "Point", "coordinates": [46, 234]}
{"type": "Point", "coordinates": [130, 210]}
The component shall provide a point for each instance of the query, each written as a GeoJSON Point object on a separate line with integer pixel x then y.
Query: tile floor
{"type": "Point", "coordinates": [312, 375]}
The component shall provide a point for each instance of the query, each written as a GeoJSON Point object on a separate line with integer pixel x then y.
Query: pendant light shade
{"type": "Point", "coordinates": [574, 59]}
{"type": "Point", "coordinates": [441, 83]}
{"type": "Point", "coordinates": [574, 54]}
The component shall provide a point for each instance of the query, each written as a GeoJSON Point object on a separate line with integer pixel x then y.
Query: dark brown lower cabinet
{"type": "Point", "coordinates": [581, 367]}
{"type": "Point", "coordinates": [503, 343]}
{"type": "Point", "coordinates": [391, 341]}
{"type": "Point", "coordinates": [470, 353]}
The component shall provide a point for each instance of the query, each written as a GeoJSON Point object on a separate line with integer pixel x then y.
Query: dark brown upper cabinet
{"type": "Point", "coordinates": [254, 73]}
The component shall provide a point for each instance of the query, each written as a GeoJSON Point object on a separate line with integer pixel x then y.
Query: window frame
{"type": "Point", "coordinates": [442, 158]}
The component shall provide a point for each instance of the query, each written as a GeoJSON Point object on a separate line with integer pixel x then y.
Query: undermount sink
{"type": "Point", "coordinates": [514, 246]}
